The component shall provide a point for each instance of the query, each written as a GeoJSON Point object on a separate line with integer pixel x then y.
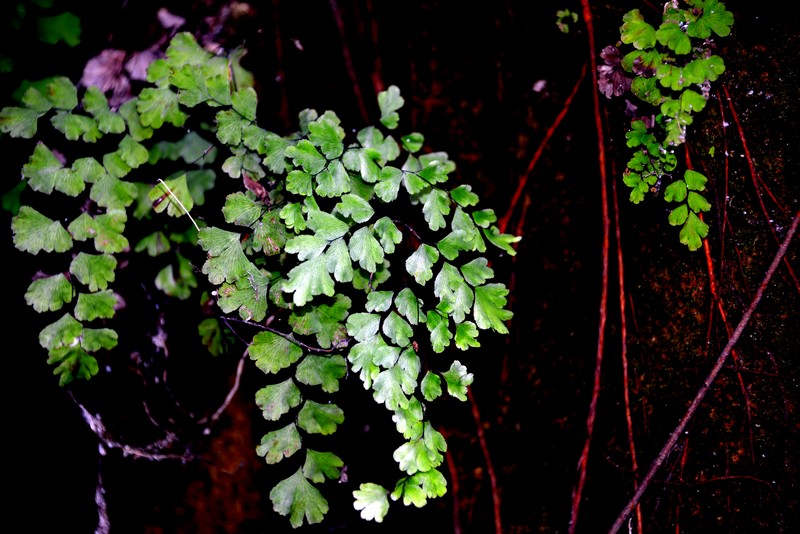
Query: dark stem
{"type": "Point", "coordinates": [623, 332]}
{"type": "Point", "coordinates": [348, 60]}
{"type": "Point", "coordinates": [601, 159]}
{"type": "Point", "coordinates": [503, 222]}
{"type": "Point", "coordinates": [498, 522]}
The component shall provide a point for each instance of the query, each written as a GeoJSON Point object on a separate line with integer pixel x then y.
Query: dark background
{"type": "Point", "coordinates": [469, 76]}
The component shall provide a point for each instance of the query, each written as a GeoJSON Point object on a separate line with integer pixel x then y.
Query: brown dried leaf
{"type": "Point", "coordinates": [612, 80]}
{"type": "Point", "coordinates": [255, 187]}
{"type": "Point", "coordinates": [137, 64]}
{"type": "Point", "coordinates": [105, 71]}
{"type": "Point", "coordinates": [168, 20]}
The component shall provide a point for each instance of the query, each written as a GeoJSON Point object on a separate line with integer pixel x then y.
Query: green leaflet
{"type": "Point", "coordinates": [95, 339]}
{"type": "Point", "coordinates": [431, 386]}
{"type": "Point", "coordinates": [159, 106]}
{"type": "Point", "coordinates": [423, 453]}
{"type": "Point", "coordinates": [636, 31]}
{"type": "Point", "coordinates": [277, 399]}
{"type": "Point", "coordinates": [324, 371]}
{"type": "Point", "coordinates": [46, 173]}
{"type": "Point", "coordinates": [363, 162]}
{"type": "Point", "coordinates": [388, 184]}
{"type": "Point", "coordinates": [184, 50]}
{"type": "Point", "coordinates": [247, 295]}
{"type": "Point", "coordinates": [309, 279]}
{"type": "Point", "coordinates": [420, 262]}
{"type": "Point", "coordinates": [372, 502]}
{"type": "Point", "coordinates": [93, 270]}
{"type": "Point", "coordinates": [366, 250]}
{"type": "Point", "coordinates": [387, 147]}
{"type": "Point", "coordinates": [20, 122]}
{"type": "Point", "coordinates": [326, 226]}
{"type": "Point", "coordinates": [333, 181]}
{"type": "Point", "coordinates": [379, 301]}
{"type": "Point", "coordinates": [325, 321]}
{"type": "Point", "coordinates": [91, 306]}
{"type": "Point", "coordinates": [226, 259]}
{"type": "Point", "coordinates": [299, 499]}
{"type": "Point", "coordinates": [243, 162]}
{"type": "Point", "coordinates": [363, 326]}
{"type": "Point", "coordinates": [269, 234]}
{"type": "Point", "coordinates": [490, 312]}
{"type": "Point", "coordinates": [436, 205]}
{"type": "Point", "coordinates": [438, 324]}
{"type": "Point", "coordinates": [453, 292]}
{"type": "Point", "coordinates": [242, 209]}
{"type": "Point", "coordinates": [413, 142]}
{"type": "Point", "coordinates": [397, 329]}
{"type": "Point", "coordinates": [192, 148]}
{"type": "Point", "coordinates": [356, 208]}
{"type": "Point", "coordinates": [211, 336]}
{"type": "Point", "coordinates": [502, 240]}
{"type": "Point", "coordinates": [60, 334]}
{"type": "Point", "coordinates": [62, 27]}
{"type": "Point", "coordinates": [457, 379]}
{"type": "Point", "coordinates": [95, 102]}
{"type": "Point", "coordinates": [672, 36]}
{"type": "Point", "coordinates": [362, 359]}
{"type": "Point", "coordinates": [273, 352]}
{"type": "Point", "coordinates": [687, 193]}
{"type": "Point", "coordinates": [196, 87]}
{"type": "Point", "coordinates": [338, 262]}
{"type": "Point", "coordinates": [417, 489]}
{"type": "Point", "coordinates": [279, 444]}
{"type": "Point", "coordinates": [326, 134]}
{"type": "Point", "coordinates": [714, 18]}
{"type": "Point", "coordinates": [62, 93]}
{"type": "Point", "coordinates": [466, 335]}
{"type": "Point", "coordinates": [69, 344]}
{"type": "Point", "coordinates": [477, 271]}
{"type": "Point", "coordinates": [391, 387]}
{"type": "Point", "coordinates": [321, 465]}
{"type": "Point", "coordinates": [106, 230]}
{"type": "Point", "coordinates": [173, 196]}
{"type": "Point", "coordinates": [410, 307]}
{"type": "Point", "coordinates": [316, 418]}
{"type": "Point", "coordinates": [114, 194]}
{"type": "Point", "coordinates": [34, 232]}
{"type": "Point", "coordinates": [304, 154]}
{"type": "Point", "coordinates": [50, 293]}
{"type": "Point", "coordinates": [390, 101]}
{"type": "Point", "coordinates": [409, 421]}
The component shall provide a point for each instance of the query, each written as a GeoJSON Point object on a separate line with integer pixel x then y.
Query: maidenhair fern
{"type": "Point", "coordinates": [347, 252]}
{"type": "Point", "coordinates": [672, 67]}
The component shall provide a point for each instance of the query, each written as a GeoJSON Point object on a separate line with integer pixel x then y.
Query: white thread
{"type": "Point", "coordinates": [179, 203]}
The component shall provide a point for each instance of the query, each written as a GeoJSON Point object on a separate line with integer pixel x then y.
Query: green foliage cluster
{"type": "Point", "coordinates": [672, 66]}
{"type": "Point", "coordinates": [347, 252]}
{"type": "Point", "coordinates": [563, 19]}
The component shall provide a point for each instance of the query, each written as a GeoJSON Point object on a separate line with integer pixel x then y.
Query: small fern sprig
{"type": "Point", "coordinates": [672, 67]}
